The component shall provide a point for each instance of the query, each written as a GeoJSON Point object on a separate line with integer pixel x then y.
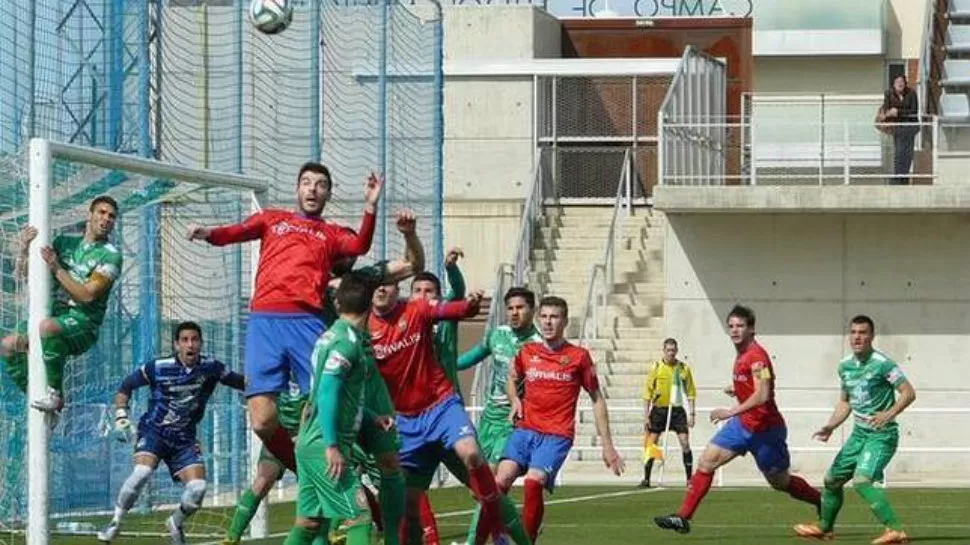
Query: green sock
{"type": "Point", "coordinates": [513, 523]}
{"type": "Point", "coordinates": [473, 528]}
{"type": "Point", "coordinates": [245, 511]}
{"type": "Point", "coordinates": [832, 499]}
{"type": "Point", "coordinates": [16, 368]}
{"type": "Point", "coordinates": [359, 533]}
{"type": "Point", "coordinates": [879, 504]}
{"type": "Point", "coordinates": [300, 536]}
{"type": "Point", "coordinates": [391, 496]}
{"type": "Point", "coordinates": [323, 537]}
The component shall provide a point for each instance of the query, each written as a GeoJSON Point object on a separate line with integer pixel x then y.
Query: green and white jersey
{"type": "Point", "coordinates": [504, 343]}
{"type": "Point", "coordinates": [346, 352]}
{"type": "Point", "coordinates": [83, 260]}
{"type": "Point", "coordinates": [870, 386]}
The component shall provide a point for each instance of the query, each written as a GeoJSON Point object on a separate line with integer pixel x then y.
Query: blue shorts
{"type": "Point", "coordinates": [425, 437]}
{"type": "Point", "coordinates": [769, 447]}
{"type": "Point", "coordinates": [541, 451]}
{"type": "Point", "coordinates": [178, 454]}
{"type": "Point", "coordinates": [278, 347]}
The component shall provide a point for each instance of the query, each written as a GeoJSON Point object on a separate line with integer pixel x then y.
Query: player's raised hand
{"type": "Point", "coordinates": [198, 232]}
{"type": "Point", "coordinates": [372, 189]}
{"type": "Point", "coordinates": [27, 235]}
{"type": "Point", "coordinates": [453, 256]}
{"type": "Point", "coordinates": [475, 300]}
{"type": "Point", "coordinates": [612, 460]}
{"type": "Point", "coordinates": [406, 221]}
{"type": "Point", "coordinates": [336, 463]}
{"type": "Point", "coordinates": [823, 434]}
{"type": "Point", "coordinates": [717, 415]}
{"type": "Point", "coordinates": [49, 256]}
{"type": "Point", "coordinates": [122, 424]}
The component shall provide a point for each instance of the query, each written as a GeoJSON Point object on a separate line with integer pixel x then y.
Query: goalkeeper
{"type": "Point", "coordinates": [181, 386]}
{"type": "Point", "coordinates": [83, 268]}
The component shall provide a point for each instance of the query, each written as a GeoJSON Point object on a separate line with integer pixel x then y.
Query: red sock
{"type": "Point", "coordinates": [799, 489]}
{"type": "Point", "coordinates": [533, 508]}
{"type": "Point", "coordinates": [482, 482]}
{"type": "Point", "coordinates": [429, 527]}
{"type": "Point", "coordinates": [375, 509]}
{"type": "Point", "coordinates": [700, 483]}
{"type": "Point", "coordinates": [281, 446]}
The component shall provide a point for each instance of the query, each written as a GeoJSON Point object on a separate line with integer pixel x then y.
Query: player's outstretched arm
{"type": "Point", "coordinates": [841, 412]}
{"type": "Point", "coordinates": [413, 261]}
{"type": "Point", "coordinates": [233, 380]}
{"type": "Point", "coordinates": [456, 310]}
{"type": "Point", "coordinates": [456, 281]}
{"type": "Point", "coordinates": [352, 244]}
{"type": "Point", "coordinates": [251, 228]}
{"type": "Point", "coordinates": [475, 355]}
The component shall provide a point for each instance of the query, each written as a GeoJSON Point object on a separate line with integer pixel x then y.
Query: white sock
{"type": "Point", "coordinates": [191, 501]}
{"type": "Point", "coordinates": [130, 490]}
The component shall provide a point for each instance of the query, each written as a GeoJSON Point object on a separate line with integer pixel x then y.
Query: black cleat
{"type": "Point", "coordinates": [673, 522]}
{"type": "Point", "coordinates": [644, 484]}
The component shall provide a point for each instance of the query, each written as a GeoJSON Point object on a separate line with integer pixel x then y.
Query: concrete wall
{"type": "Point", "coordinates": [864, 75]}
{"type": "Point", "coordinates": [905, 23]}
{"type": "Point", "coordinates": [805, 275]}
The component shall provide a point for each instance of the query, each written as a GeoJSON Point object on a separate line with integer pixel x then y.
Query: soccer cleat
{"type": "Point", "coordinates": [175, 533]}
{"type": "Point", "coordinates": [644, 484]}
{"type": "Point", "coordinates": [812, 531]}
{"type": "Point", "coordinates": [109, 532]}
{"type": "Point", "coordinates": [228, 541]}
{"type": "Point", "coordinates": [676, 523]}
{"type": "Point", "coordinates": [52, 403]}
{"type": "Point", "coordinates": [891, 536]}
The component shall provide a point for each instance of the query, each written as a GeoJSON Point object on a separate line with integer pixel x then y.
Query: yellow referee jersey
{"type": "Point", "coordinates": [660, 378]}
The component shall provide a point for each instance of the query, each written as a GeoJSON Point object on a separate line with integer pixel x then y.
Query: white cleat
{"type": "Point", "coordinates": [109, 532]}
{"type": "Point", "coordinates": [176, 535]}
{"type": "Point", "coordinates": [52, 403]}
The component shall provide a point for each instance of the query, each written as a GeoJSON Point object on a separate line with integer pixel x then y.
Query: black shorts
{"type": "Point", "coordinates": [658, 420]}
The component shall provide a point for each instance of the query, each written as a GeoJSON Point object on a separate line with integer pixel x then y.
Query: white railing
{"type": "Point", "coordinates": [602, 275]}
{"type": "Point", "coordinates": [531, 213]}
{"type": "Point", "coordinates": [831, 447]}
{"type": "Point", "coordinates": [778, 152]}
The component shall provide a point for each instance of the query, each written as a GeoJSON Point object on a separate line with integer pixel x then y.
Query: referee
{"type": "Point", "coordinates": [664, 374]}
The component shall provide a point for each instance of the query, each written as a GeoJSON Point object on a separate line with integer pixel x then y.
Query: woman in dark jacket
{"type": "Point", "coordinates": [900, 106]}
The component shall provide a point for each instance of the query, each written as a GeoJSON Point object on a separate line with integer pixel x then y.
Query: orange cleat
{"type": "Point", "coordinates": [812, 531]}
{"type": "Point", "coordinates": [891, 536]}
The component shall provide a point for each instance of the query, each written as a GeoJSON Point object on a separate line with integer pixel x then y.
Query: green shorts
{"type": "Point", "coordinates": [319, 496]}
{"type": "Point", "coordinates": [365, 464]}
{"type": "Point", "coordinates": [378, 397]}
{"type": "Point", "coordinates": [494, 429]}
{"type": "Point", "coordinates": [866, 453]}
{"type": "Point", "coordinates": [78, 335]}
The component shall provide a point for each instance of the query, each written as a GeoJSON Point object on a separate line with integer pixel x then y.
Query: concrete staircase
{"type": "Point", "coordinates": [570, 241]}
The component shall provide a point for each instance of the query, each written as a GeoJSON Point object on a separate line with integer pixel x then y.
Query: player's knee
{"type": "Point", "coordinates": [833, 483]}
{"type": "Point", "coordinates": [263, 483]}
{"type": "Point", "coordinates": [138, 478]}
{"type": "Point", "coordinates": [8, 346]}
{"type": "Point", "coordinates": [467, 449]}
{"type": "Point", "coordinates": [537, 476]}
{"type": "Point", "coordinates": [49, 328]}
{"type": "Point", "coordinates": [861, 480]}
{"type": "Point", "coordinates": [264, 425]}
{"type": "Point", "coordinates": [194, 494]}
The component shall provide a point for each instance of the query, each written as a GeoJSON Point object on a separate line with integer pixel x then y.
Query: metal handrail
{"type": "Point", "coordinates": [604, 270]}
{"type": "Point", "coordinates": [531, 212]}
{"type": "Point", "coordinates": [482, 377]}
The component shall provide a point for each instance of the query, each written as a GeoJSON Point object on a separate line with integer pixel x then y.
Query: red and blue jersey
{"type": "Point", "coordinates": [404, 346]}
{"type": "Point", "coordinates": [553, 378]}
{"type": "Point", "coordinates": [753, 362]}
{"type": "Point", "coordinates": [296, 255]}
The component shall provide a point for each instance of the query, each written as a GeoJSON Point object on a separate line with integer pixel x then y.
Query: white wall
{"type": "Point", "coordinates": [805, 275]}
{"type": "Point", "coordinates": [905, 21]}
{"type": "Point", "coordinates": [845, 75]}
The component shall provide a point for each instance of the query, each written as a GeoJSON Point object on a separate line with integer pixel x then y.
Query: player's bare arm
{"type": "Point", "coordinates": [250, 229]}
{"type": "Point", "coordinates": [762, 394]}
{"type": "Point", "coordinates": [372, 192]}
{"type": "Point", "coordinates": [601, 416]}
{"type": "Point", "coordinates": [27, 235]}
{"type": "Point", "coordinates": [512, 391]}
{"type": "Point", "coordinates": [907, 395]}
{"type": "Point", "coordinates": [839, 415]}
{"type": "Point", "coordinates": [413, 261]}
{"type": "Point", "coordinates": [96, 285]}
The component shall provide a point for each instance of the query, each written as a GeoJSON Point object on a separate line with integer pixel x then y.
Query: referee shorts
{"type": "Point", "coordinates": [658, 420]}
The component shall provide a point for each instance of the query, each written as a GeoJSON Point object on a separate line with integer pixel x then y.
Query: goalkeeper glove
{"type": "Point", "coordinates": [122, 423]}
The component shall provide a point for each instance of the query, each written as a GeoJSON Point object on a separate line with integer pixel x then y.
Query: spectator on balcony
{"type": "Point", "coordinates": [901, 110]}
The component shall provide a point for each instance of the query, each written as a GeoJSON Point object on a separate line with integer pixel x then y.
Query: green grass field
{"type": "Point", "coordinates": [580, 515]}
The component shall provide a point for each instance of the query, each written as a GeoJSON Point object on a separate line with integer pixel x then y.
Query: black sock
{"type": "Point", "coordinates": [647, 468]}
{"type": "Point", "coordinates": [689, 464]}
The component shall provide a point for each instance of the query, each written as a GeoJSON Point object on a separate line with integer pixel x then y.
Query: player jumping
{"type": "Point", "coordinates": [430, 416]}
{"type": "Point", "coordinates": [297, 251]}
{"type": "Point", "coordinates": [336, 414]}
{"type": "Point", "coordinates": [869, 380]}
{"type": "Point", "coordinates": [291, 403]}
{"type": "Point", "coordinates": [502, 343]}
{"type": "Point", "coordinates": [84, 269]}
{"type": "Point", "coordinates": [180, 389]}
{"type": "Point", "coordinates": [552, 372]}
{"type": "Point", "coordinates": [754, 425]}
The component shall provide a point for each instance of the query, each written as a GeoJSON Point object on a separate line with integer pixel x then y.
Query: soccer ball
{"type": "Point", "coordinates": [271, 16]}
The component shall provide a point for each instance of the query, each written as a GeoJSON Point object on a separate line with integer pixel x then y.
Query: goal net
{"type": "Point", "coordinates": [164, 279]}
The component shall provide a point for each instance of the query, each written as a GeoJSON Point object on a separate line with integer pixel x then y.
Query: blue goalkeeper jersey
{"type": "Point", "coordinates": [179, 393]}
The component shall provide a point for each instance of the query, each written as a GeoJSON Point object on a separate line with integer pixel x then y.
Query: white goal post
{"type": "Point", "coordinates": [42, 154]}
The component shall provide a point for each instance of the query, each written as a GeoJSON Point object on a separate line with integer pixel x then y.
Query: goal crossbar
{"type": "Point", "coordinates": [41, 155]}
